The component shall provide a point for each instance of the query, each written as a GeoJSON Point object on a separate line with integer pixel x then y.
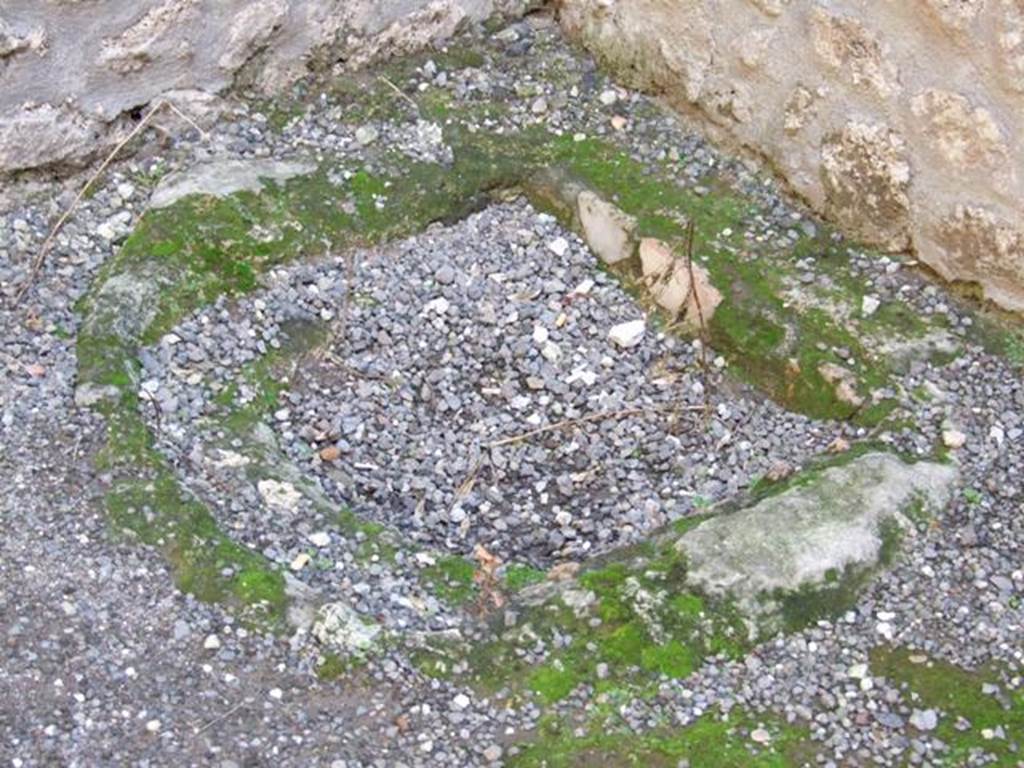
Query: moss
{"type": "Point", "coordinates": [714, 741]}
{"type": "Point", "coordinates": [1014, 348]}
{"type": "Point", "coordinates": [201, 248]}
{"type": "Point", "coordinates": [553, 682]}
{"type": "Point", "coordinates": [205, 562]}
{"type": "Point", "coordinates": [764, 487]}
{"type": "Point", "coordinates": [518, 576]}
{"type": "Point", "coordinates": [840, 592]}
{"type": "Point", "coordinates": [773, 345]}
{"type": "Point", "coordinates": [642, 624]}
{"type": "Point", "coordinates": [688, 605]}
{"type": "Point", "coordinates": [689, 523]}
{"type": "Point", "coordinates": [673, 659]}
{"type": "Point", "coordinates": [265, 378]}
{"type": "Point", "coordinates": [973, 496]}
{"type": "Point", "coordinates": [333, 667]}
{"type": "Point", "coordinates": [918, 514]}
{"type": "Point", "coordinates": [451, 579]}
{"type": "Point", "coordinates": [957, 693]}
{"type": "Point", "coordinates": [433, 662]}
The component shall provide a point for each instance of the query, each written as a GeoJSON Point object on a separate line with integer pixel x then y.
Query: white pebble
{"type": "Point", "coordinates": [628, 334]}
{"type": "Point", "coordinates": [954, 438]}
{"type": "Point", "coordinates": [559, 246]}
{"type": "Point", "coordinates": [319, 539]}
{"type": "Point", "coordinates": [439, 305]}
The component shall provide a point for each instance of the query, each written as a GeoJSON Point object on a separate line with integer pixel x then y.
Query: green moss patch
{"type": "Point", "coordinates": [628, 622]}
{"type": "Point", "coordinates": [333, 667]}
{"type": "Point", "coordinates": [714, 741]}
{"type": "Point", "coordinates": [205, 562]}
{"type": "Point", "coordinates": [772, 342]}
{"type": "Point", "coordinates": [451, 579]}
{"type": "Point", "coordinates": [990, 723]}
{"type": "Point", "coordinates": [518, 576]}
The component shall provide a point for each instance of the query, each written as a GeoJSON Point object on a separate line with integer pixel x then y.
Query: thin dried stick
{"type": "Point", "coordinates": [400, 92]}
{"type": "Point", "coordinates": [693, 292]}
{"type": "Point", "coordinates": [566, 423]}
{"type": "Point", "coordinates": [219, 718]}
{"type": "Point", "coordinates": [202, 134]}
{"type": "Point", "coordinates": [37, 264]}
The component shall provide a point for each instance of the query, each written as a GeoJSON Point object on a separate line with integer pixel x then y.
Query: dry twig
{"type": "Point", "coordinates": [400, 92]}
{"type": "Point", "coordinates": [566, 423]}
{"type": "Point", "coordinates": [40, 259]}
{"type": "Point", "coordinates": [486, 578]}
{"type": "Point", "coordinates": [197, 730]}
{"type": "Point", "coordinates": [702, 325]}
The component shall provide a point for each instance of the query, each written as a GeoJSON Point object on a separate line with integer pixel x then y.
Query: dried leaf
{"type": "Point", "coordinates": [563, 571]}
{"type": "Point", "coordinates": [330, 453]}
{"type": "Point", "coordinates": [839, 445]}
{"type": "Point", "coordinates": [780, 470]}
{"type": "Point", "coordinates": [488, 562]}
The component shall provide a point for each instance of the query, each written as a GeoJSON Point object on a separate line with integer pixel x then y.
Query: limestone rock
{"type": "Point", "coordinates": [845, 44]}
{"type": "Point", "coordinates": [339, 627]}
{"type": "Point", "coordinates": [954, 438]}
{"type": "Point", "coordinates": [89, 395]}
{"type": "Point", "coordinates": [966, 136]}
{"type": "Point", "coordinates": [278, 495]}
{"type": "Point", "coordinates": [752, 47]}
{"type": "Point", "coordinates": [631, 40]}
{"type": "Point", "coordinates": [153, 36]}
{"type": "Point", "coordinates": [249, 31]}
{"type": "Point", "coordinates": [800, 109]}
{"type": "Point", "coordinates": [221, 178]}
{"type": "Point", "coordinates": [667, 277]}
{"type": "Point", "coordinates": [607, 230]}
{"type": "Point", "coordinates": [45, 135]}
{"type": "Point", "coordinates": [818, 90]}
{"type": "Point", "coordinates": [110, 58]}
{"type": "Point", "coordinates": [771, 7]}
{"type": "Point", "coordinates": [866, 177]}
{"type": "Point", "coordinates": [956, 14]}
{"type": "Point", "coordinates": [974, 243]}
{"type": "Point", "coordinates": [12, 42]}
{"type": "Point", "coordinates": [833, 524]}
{"type": "Point", "coordinates": [844, 381]}
{"type": "Point", "coordinates": [125, 304]}
{"type": "Point", "coordinates": [1011, 44]}
{"type": "Point", "coordinates": [924, 719]}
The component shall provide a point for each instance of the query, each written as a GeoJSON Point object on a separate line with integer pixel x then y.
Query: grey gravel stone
{"type": "Point", "coordinates": [84, 604]}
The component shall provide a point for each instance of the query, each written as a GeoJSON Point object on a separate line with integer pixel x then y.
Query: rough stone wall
{"type": "Point", "coordinates": [899, 119]}
{"type": "Point", "coordinates": [69, 69]}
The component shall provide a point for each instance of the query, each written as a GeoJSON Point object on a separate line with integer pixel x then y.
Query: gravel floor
{"type": "Point", "coordinates": [105, 663]}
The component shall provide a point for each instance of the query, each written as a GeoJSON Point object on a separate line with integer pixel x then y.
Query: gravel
{"type": "Point", "coordinates": [106, 663]}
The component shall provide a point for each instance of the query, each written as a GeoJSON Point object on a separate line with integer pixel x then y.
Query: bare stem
{"type": "Point", "coordinates": [40, 259]}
